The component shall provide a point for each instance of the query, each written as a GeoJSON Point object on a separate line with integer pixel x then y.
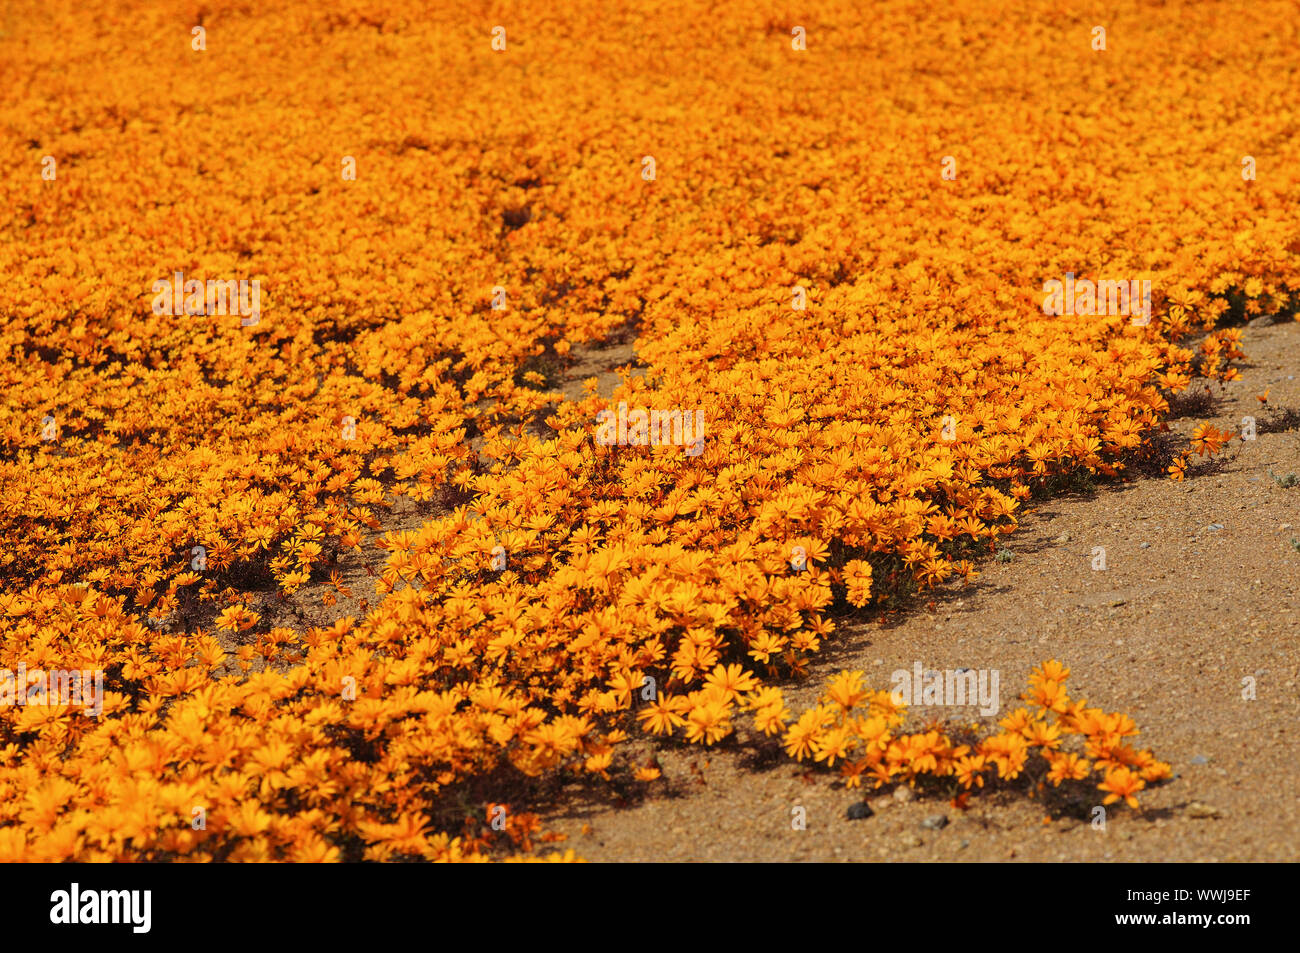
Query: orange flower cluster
{"type": "Point", "coordinates": [859, 728]}
{"type": "Point", "coordinates": [860, 330]}
{"type": "Point", "coordinates": [1207, 440]}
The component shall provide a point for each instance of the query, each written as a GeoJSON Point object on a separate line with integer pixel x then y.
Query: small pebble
{"type": "Point", "coordinates": [1214, 527]}
{"type": "Point", "coordinates": [859, 810]}
{"type": "Point", "coordinates": [1146, 546]}
{"type": "Point", "coordinates": [1201, 810]}
{"type": "Point", "coordinates": [911, 840]}
{"type": "Point", "coordinates": [963, 845]}
{"type": "Point", "coordinates": [935, 822]}
{"type": "Point", "coordinates": [1199, 759]}
{"type": "Point", "coordinates": [1063, 538]}
{"type": "Point", "coordinates": [904, 795]}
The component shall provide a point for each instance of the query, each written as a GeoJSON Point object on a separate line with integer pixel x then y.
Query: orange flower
{"type": "Point", "coordinates": [1122, 784]}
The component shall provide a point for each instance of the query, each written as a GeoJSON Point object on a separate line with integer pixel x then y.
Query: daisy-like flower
{"type": "Point", "coordinates": [664, 714]}
{"type": "Point", "coordinates": [1066, 766]}
{"type": "Point", "coordinates": [1121, 784]}
{"type": "Point", "coordinates": [846, 690]}
{"type": "Point", "coordinates": [730, 681]}
{"type": "Point", "coordinates": [800, 740]}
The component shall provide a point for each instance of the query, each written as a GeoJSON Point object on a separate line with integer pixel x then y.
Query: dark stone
{"type": "Point", "coordinates": [860, 810]}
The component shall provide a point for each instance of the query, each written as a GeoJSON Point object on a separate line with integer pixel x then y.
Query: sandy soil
{"type": "Point", "coordinates": [1167, 632]}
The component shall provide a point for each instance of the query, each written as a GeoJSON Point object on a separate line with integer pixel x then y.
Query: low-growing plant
{"type": "Point", "coordinates": [1285, 482]}
{"type": "Point", "coordinates": [860, 728]}
{"type": "Point", "coordinates": [888, 422]}
{"type": "Point", "coordinates": [1280, 420]}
